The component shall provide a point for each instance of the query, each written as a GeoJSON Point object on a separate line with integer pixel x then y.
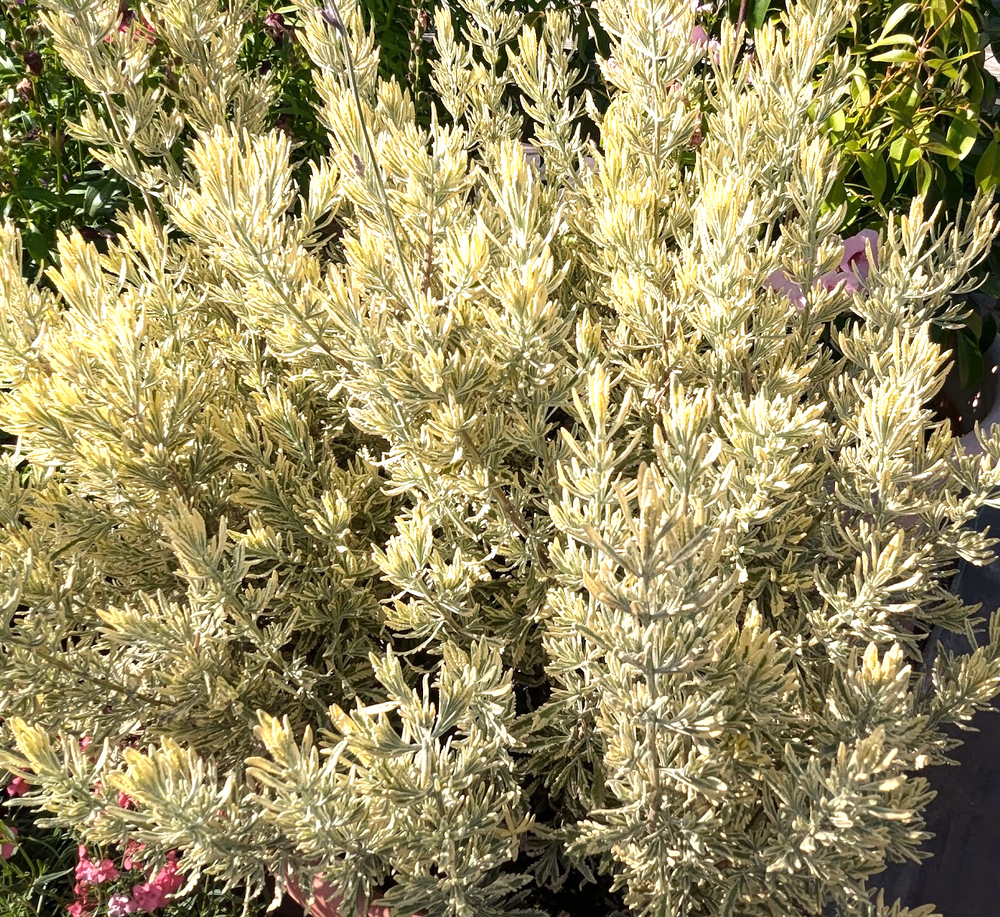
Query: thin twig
{"type": "Point", "coordinates": [331, 15]}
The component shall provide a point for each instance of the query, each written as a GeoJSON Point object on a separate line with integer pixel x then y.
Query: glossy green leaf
{"type": "Point", "coordinates": [756, 14]}
{"type": "Point", "coordinates": [36, 245]}
{"type": "Point", "coordinates": [962, 135]}
{"type": "Point", "coordinates": [897, 38]}
{"type": "Point", "coordinates": [895, 17]}
{"type": "Point", "coordinates": [988, 167]}
{"type": "Point", "coordinates": [903, 153]}
{"type": "Point", "coordinates": [924, 176]}
{"type": "Point", "coordinates": [40, 195]}
{"type": "Point", "coordinates": [896, 56]}
{"type": "Point", "coordinates": [873, 168]}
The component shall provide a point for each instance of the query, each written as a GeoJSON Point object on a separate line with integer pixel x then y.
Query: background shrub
{"type": "Point", "coordinates": [537, 534]}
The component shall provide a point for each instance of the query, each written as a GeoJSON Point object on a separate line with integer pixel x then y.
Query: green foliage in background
{"type": "Point", "coordinates": [48, 181]}
{"type": "Point", "coordinates": [922, 122]}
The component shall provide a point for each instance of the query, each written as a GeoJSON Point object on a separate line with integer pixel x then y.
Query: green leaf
{"type": "Point", "coordinates": [36, 245]}
{"type": "Point", "coordinates": [896, 56]}
{"type": "Point", "coordinates": [757, 14]}
{"type": "Point", "coordinates": [903, 153]}
{"type": "Point", "coordinates": [873, 168]}
{"type": "Point", "coordinates": [970, 360]}
{"type": "Point", "coordinates": [895, 17]}
{"type": "Point", "coordinates": [923, 174]}
{"type": "Point", "coordinates": [977, 86]}
{"type": "Point", "coordinates": [860, 91]}
{"type": "Point", "coordinates": [988, 167]}
{"type": "Point", "coordinates": [962, 134]}
{"type": "Point", "coordinates": [897, 38]}
{"type": "Point", "coordinates": [940, 149]}
{"type": "Point", "coordinates": [42, 195]}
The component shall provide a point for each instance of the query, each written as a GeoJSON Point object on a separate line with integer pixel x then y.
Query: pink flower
{"type": "Point", "coordinates": [124, 801]}
{"type": "Point", "coordinates": [131, 859]}
{"type": "Point", "coordinates": [105, 871]}
{"type": "Point", "coordinates": [7, 850]}
{"type": "Point", "coordinates": [146, 30]}
{"type": "Point", "coordinates": [148, 896]}
{"type": "Point", "coordinates": [780, 282]}
{"type": "Point", "coordinates": [79, 909]}
{"type": "Point", "coordinates": [85, 742]}
{"type": "Point", "coordinates": [274, 25]}
{"type": "Point", "coordinates": [157, 891]}
{"type": "Point", "coordinates": [853, 270]}
{"type": "Point", "coordinates": [851, 282]}
{"type": "Point", "coordinates": [855, 253]}
{"type": "Point", "coordinates": [119, 905]}
{"type": "Point", "coordinates": [17, 787]}
{"type": "Point", "coordinates": [94, 873]}
{"type": "Point", "coordinates": [700, 38]}
{"type": "Point", "coordinates": [168, 878]}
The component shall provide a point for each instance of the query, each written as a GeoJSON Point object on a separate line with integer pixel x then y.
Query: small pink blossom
{"type": "Point", "coordinates": [119, 905]}
{"type": "Point", "coordinates": [168, 878]}
{"type": "Point", "coordinates": [131, 859]}
{"type": "Point", "coordinates": [85, 743]}
{"type": "Point", "coordinates": [852, 272]}
{"type": "Point", "coordinates": [145, 30]}
{"type": "Point", "coordinates": [124, 801]}
{"type": "Point", "coordinates": [700, 38]}
{"type": "Point", "coordinates": [7, 850]}
{"type": "Point", "coordinates": [856, 255]}
{"type": "Point", "coordinates": [79, 909]}
{"type": "Point", "coordinates": [17, 787]}
{"type": "Point", "coordinates": [88, 871]}
{"type": "Point", "coordinates": [780, 282]}
{"type": "Point", "coordinates": [148, 896]}
{"type": "Point", "coordinates": [157, 891]}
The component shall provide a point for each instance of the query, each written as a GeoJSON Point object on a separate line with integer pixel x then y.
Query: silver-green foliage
{"type": "Point", "coordinates": [523, 531]}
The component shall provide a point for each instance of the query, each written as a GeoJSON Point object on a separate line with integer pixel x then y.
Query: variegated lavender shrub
{"type": "Point", "coordinates": [531, 531]}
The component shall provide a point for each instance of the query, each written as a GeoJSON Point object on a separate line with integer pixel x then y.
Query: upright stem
{"type": "Point", "coordinates": [112, 110]}
{"type": "Point", "coordinates": [742, 15]}
{"type": "Point", "coordinates": [333, 17]}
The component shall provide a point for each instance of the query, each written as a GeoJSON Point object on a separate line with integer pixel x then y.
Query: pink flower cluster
{"type": "Point", "coordinates": [146, 897]}
{"type": "Point", "coordinates": [852, 271]}
{"type": "Point", "coordinates": [91, 874]}
{"type": "Point", "coordinates": [153, 894]}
